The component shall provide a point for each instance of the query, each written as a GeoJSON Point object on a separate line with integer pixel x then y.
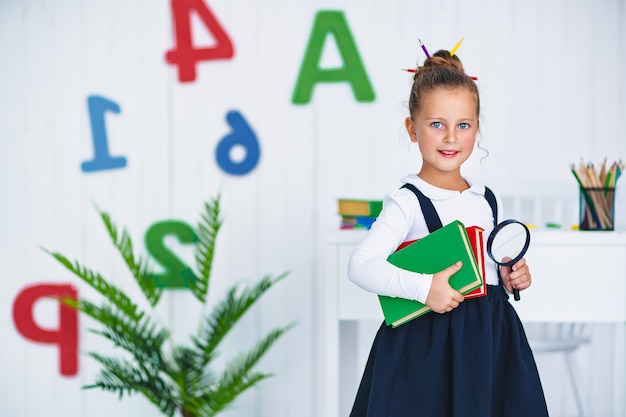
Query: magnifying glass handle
{"type": "Point", "coordinates": [516, 296]}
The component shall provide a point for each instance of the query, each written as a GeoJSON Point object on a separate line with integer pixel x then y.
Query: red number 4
{"type": "Point", "coordinates": [185, 55]}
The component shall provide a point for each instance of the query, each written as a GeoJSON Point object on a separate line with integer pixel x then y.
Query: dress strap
{"type": "Point", "coordinates": [430, 214]}
{"type": "Point", "coordinates": [491, 199]}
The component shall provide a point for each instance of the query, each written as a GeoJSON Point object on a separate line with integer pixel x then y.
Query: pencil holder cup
{"type": "Point", "coordinates": [597, 208]}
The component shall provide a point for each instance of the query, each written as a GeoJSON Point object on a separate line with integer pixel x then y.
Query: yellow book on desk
{"type": "Point", "coordinates": [356, 207]}
{"type": "Point", "coordinates": [433, 253]}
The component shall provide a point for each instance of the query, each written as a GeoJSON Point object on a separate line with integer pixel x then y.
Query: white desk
{"type": "Point", "coordinates": [578, 276]}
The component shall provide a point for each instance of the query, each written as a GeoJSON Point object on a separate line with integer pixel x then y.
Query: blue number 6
{"type": "Point", "coordinates": [241, 135]}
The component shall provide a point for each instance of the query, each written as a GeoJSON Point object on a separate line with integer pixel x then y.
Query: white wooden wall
{"type": "Point", "coordinates": [552, 89]}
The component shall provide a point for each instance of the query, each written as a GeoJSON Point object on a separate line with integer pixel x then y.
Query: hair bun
{"type": "Point", "coordinates": [443, 58]}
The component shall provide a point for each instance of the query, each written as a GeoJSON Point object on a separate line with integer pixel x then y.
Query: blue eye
{"type": "Point", "coordinates": [464, 126]}
{"type": "Point", "coordinates": [437, 125]}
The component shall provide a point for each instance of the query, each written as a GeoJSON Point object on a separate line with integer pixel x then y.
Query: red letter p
{"type": "Point", "coordinates": [65, 336]}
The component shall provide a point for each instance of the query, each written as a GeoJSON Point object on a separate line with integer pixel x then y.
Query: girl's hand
{"type": "Point", "coordinates": [517, 276]}
{"type": "Point", "coordinates": [442, 298]}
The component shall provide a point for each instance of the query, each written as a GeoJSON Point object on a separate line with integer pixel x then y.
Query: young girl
{"type": "Point", "coordinates": [466, 357]}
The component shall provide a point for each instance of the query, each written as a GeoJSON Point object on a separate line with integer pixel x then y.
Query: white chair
{"type": "Point", "coordinates": [564, 339]}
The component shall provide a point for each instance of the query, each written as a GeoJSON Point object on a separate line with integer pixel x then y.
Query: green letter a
{"type": "Point", "coordinates": [334, 23]}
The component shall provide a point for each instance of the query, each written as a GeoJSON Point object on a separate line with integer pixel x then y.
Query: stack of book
{"type": "Point", "coordinates": [431, 254]}
{"type": "Point", "coordinates": [358, 214]}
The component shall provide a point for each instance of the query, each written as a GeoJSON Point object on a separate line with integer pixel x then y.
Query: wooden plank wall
{"type": "Point", "coordinates": [552, 91]}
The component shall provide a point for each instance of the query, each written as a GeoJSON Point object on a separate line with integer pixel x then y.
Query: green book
{"type": "Point", "coordinates": [433, 253]}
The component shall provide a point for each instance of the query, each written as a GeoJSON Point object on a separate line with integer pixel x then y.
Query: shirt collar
{"type": "Point", "coordinates": [436, 193]}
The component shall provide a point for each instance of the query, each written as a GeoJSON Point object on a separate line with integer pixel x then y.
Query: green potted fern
{"type": "Point", "coordinates": [175, 378]}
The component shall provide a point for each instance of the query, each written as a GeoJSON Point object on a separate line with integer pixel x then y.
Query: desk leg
{"type": "Point", "coordinates": [348, 364]}
{"type": "Point", "coordinates": [619, 373]}
{"type": "Point", "coordinates": [327, 384]}
{"type": "Point", "coordinates": [355, 342]}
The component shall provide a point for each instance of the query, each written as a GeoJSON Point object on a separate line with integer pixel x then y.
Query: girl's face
{"type": "Point", "coordinates": [445, 129]}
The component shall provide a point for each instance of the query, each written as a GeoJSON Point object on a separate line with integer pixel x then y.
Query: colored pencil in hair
{"type": "Point", "coordinates": [453, 51]}
{"type": "Point", "coordinates": [424, 48]}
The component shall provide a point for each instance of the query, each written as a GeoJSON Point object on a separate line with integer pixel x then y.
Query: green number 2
{"type": "Point", "coordinates": [177, 274]}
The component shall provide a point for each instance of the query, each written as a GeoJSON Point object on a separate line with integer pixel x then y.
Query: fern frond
{"type": "Point", "coordinates": [218, 401]}
{"type": "Point", "coordinates": [237, 376]}
{"type": "Point", "coordinates": [204, 250]}
{"type": "Point", "coordinates": [139, 268]}
{"type": "Point", "coordinates": [226, 314]}
{"type": "Point", "coordinates": [95, 280]}
{"type": "Point", "coordinates": [143, 339]}
{"type": "Point", "coordinates": [191, 378]}
{"type": "Point", "coordinates": [121, 376]}
{"type": "Point", "coordinates": [238, 368]}
{"type": "Point", "coordinates": [115, 378]}
{"type": "Point", "coordinates": [187, 373]}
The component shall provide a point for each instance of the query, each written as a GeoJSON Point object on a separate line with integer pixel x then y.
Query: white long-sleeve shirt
{"type": "Point", "coordinates": [401, 220]}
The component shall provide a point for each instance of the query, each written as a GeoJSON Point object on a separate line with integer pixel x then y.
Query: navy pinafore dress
{"type": "Point", "coordinates": [474, 361]}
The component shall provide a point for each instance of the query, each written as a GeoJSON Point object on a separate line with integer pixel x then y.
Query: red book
{"type": "Point", "coordinates": [475, 234]}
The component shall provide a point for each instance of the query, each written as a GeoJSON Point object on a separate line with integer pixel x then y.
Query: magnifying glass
{"type": "Point", "coordinates": [509, 239]}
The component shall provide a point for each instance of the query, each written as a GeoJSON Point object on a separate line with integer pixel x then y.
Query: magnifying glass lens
{"type": "Point", "coordinates": [509, 242]}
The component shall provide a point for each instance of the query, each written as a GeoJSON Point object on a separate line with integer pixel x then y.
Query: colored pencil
{"type": "Point", "coordinates": [424, 48]}
{"type": "Point", "coordinates": [453, 51]}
